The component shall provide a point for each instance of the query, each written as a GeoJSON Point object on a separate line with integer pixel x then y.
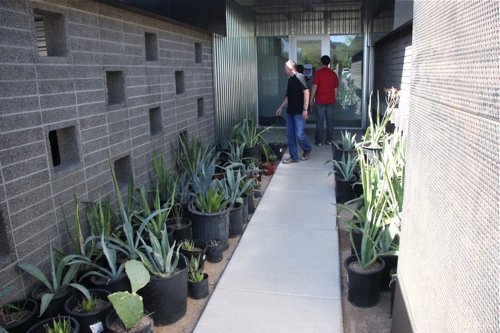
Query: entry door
{"type": "Point", "coordinates": [307, 51]}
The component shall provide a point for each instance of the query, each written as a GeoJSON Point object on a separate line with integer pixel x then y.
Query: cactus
{"type": "Point", "coordinates": [129, 306]}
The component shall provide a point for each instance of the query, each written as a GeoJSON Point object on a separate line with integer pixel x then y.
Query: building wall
{"type": "Point", "coordinates": [101, 99]}
{"type": "Point", "coordinates": [448, 267]}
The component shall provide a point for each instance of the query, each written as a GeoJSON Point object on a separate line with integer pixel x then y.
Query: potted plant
{"type": "Point", "coordinates": [166, 293]}
{"type": "Point", "coordinates": [234, 185]}
{"type": "Point", "coordinates": [57, 324]}
{"type": "Point", "coordinates": [246, 131]}
{"type": "Point", "coordinates": [346, 146]}
{"type": "Point", "coordinates": [128, 307]}
{"type": "Point", "coordinates": [197, 281]}
{"type": "Point", "coordinates": [345, 178]}
{"type": "Point", "coordinates": [194, 248]}
{"type": "Point", "coordinates": [53, 293]}
{"type": "Point", "coordinates": [214, 251]}
{"type": "Point", "coordinates": [90, 313]}
{"type": "Point", "coordinates": [16, 316]}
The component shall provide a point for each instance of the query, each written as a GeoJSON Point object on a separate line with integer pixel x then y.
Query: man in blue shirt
{"type": "Point", "coordinates": [297, 99]}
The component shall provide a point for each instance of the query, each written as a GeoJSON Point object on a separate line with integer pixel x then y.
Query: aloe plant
{"type": "Point", "coordinates": [129, 306]}
{"type": "Point", "coordinates": [59, 325]}
{"type": "Point", "coordinates": [159, 258]}
{"type": "Point", "coordinates": [61, 274]}
{"type": "Point", "coordinates": [376, 131]}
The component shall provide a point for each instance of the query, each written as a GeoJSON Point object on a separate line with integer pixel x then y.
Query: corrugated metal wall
{"type": "Point", "coordinates": [450, 244]}
{"type": "Point", "coordinates": [235, 70]}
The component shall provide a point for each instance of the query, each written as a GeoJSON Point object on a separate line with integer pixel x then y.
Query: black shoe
{"type": "Point", "coordinates": [306, 156]}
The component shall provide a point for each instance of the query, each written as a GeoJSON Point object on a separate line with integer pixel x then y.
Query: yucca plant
{"type": "Point", "coordinates": [188, 157]}
{"type": "Point", "coordinates": [100, 216]}
{"type": "Point", "coordinates": [195, 273]}
{"type": "Point", "coordinates": [62, 277]}
{"type": "Point", "coordinates": [188, 245]}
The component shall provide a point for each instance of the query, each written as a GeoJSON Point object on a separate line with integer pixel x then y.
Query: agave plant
{"type": "Point", "coordinates": [347, 141]}
{"type": "Point", "coordinates": [62, 277]}
{"type": "Point", "coordinates": [211, 201]}
{"type": "Point", "coordinates": [159, 258]}
{"type": "Point", "coordinates": [246, 131]}
{"type": "Point", "coordinates": [346, 169]}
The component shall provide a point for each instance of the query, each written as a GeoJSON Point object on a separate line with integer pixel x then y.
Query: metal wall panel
{"type": "Point", "coordinates": [449, 268]}
{"type": "Point", "coordinates": [235, 70]}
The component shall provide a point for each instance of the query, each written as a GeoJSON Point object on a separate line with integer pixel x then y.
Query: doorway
{"type": "Point", "coordinates": [345, 52]}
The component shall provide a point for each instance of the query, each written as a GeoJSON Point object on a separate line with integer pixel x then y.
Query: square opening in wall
{"type": "Point", "coordinates": [179, 82]}
{"type": "Point", "coordinates": [201, 107]}
{"type": "Point", "coordinates": [197, 53]}
{"type": "Point", "coordinates": [123, 171]}
{"type": "Point", "coordinates": [155, 121]}
{"type": "Point", "coordinates": [151, 41]}
{"type": "Point", "coordinates": [64, 148]}
{"type": "Point", "coordinates": [115, 87]}
{"type": "Point", "coordinates": [50, 34]}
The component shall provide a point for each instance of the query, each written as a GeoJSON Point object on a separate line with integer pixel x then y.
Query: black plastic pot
{"type": "Point", "coordinates": [236, 220]}
{"type": "Point", "coordinates": [251, 204]}
{"type": "Point", "coordinates": [199, 251]}
{"type": "Point", "coordinates": [28, 320]}
{"type": "Point", "coordinates": [166, 298]}
{"type": "Point", "coordinates": [278, 149]}
{"type": "Point", "coordinates": [391, 261]}
{"type": "Point", "coordinates": [357, 237]}
{"type": "Point", "coordinates": [344, 190]}
{"type": "Point", "coordinates": [363, 286]}
{"type": "Point", "coordinates": [115, 325]}
{"type": "Point", "coordinates": [244, 209]}
{"type": "Point", "coordinates": [339, 153]}
{"type": "Point", "coordinates": [90, 322]}
{"type": "Point", "coordinates": [208, 226]}
{"type": "Point", "coordinates": [56, 306]}
{"type": "Point", "coordinates": [372, 154]}
{"type": "Point", "coordinates": [40, 326]}
{"type": "Point", "coordinates": [215, 253]}
{"type": "Point", "coordinates": [198, 290]}
{"type": "Point", "coordinates": [180, 232]}
{"type": "Point", "coordinates": [120, 284]}
{"type": "Point", "coordinates": [254, 153]}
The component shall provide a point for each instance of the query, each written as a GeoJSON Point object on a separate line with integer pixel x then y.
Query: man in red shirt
{"type": "Point", "coordinates": [324, 90]}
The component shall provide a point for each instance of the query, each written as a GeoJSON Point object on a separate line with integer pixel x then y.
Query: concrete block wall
{"type": "Point", "coordinates": [92, 101]}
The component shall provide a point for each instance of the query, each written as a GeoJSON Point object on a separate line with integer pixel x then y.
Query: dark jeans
{"type": "Point", "coordinates": [323, 110]}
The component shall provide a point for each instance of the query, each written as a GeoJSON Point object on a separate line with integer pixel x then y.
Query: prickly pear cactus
{"type": "Point", "coordinates": [129, 306]}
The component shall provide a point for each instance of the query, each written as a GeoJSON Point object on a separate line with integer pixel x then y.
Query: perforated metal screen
{"type": "Point", "coordinates": [450, 250]}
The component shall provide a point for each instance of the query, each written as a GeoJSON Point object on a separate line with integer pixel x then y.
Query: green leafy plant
{"type": "Point", "coordinates": [189, 157]}
{"type": "Point", "coordinates": [59, 325]}
{"type": "Point", "coordinates": [88, 305]}
{"type": "Point", "coordinates": [100, 216]}
{"type": "Point", "coordinates": [246, 131]}
{"type": "Point", "coordinates": [188, 245]}
{"type": "Point", "coordinates": [159, 258]}
{"type": "Point", "coordinates": [129, 306]}
{"type": "Point", "coordinates": [346, 169]}
{"type": "Point", "coordinates": [62, 275]}
{"type": "Point", "coordinates": [235, 151]}
{"type": "Point", "coordinates": [347, 142]}
{"type": "Point", "coordinates": [211, 201]}
{"type": "Point", "coordinates": [195, 273]}
{"type": "Point", "coordinates": [235, 183]}
{"type": "Point", "coordinates": [346, 96]}
{"type": "Point", "coordinates": [157, 221]}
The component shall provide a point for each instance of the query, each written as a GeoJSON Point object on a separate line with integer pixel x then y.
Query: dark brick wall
{"type": "Point", "coordinates": [68, 95]}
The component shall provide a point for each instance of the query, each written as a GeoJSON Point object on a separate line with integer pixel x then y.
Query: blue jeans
{"type": "Point", "coordinates": [295, 132]}
{"type": "Point", "coordinates": [321, 111]}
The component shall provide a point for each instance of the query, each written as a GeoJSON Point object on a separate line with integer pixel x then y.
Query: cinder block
{"type": "Point", "coordinates": [68, 181]}
{"type": "Point", "coordinates": [94, 145]}
{"type": "Point", "coordinates": [26, 184]}
{"type": "Point", "coordinates": [90, 96]}
{"type": "Point", "coordinates": [18, 138]}
{"type": "Point", "coordinates": [94, 133]}
{"type": "Point", "coordinates": [24, 168]}
{"type": "Point", "coordinates": [19, 121]}
{"type": "Point", "coordinates": [31, 212]}
{"type": "Point", "coordinates": [59, 115]}
{"type": "Point", "coordinates": [42, 221]}
{"type": "Point", "coordinates": [94, 157]}
{"type": "Point", "coordinates": [29, 195]}
{"type": "Point", "coordinates": [39, 239]}
{"type": "Point", "coordinates": [57, 100]}
{"type": "Point", "coordinates": [89, 58]}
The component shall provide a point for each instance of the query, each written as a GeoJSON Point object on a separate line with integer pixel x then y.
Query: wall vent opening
{"type": "Point", "coordinates": [179, 82]}
{"type": "Point", "coordinates": [50, 34]}
{"type": "Point", "coordinates": [115, 87]}
{"type": "Point", "coordinates": [155, 121]}
{"type": "Point", "coordinates": [198, 53]}
{"type": "Point", "coordinates": [151, 41]}
{"type": "Point", "coordinates": [64, 148]}
{"type": "Point", "coordinates": [123, 171]}
{"type": "Point", "coordinates": [201, 107]}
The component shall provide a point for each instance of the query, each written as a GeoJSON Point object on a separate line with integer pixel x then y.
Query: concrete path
{"type": "Point", "coordinates": [284, 274]}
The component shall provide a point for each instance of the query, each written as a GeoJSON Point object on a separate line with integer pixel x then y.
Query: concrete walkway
{"type": "Point", "coordinates": [284, 274]}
